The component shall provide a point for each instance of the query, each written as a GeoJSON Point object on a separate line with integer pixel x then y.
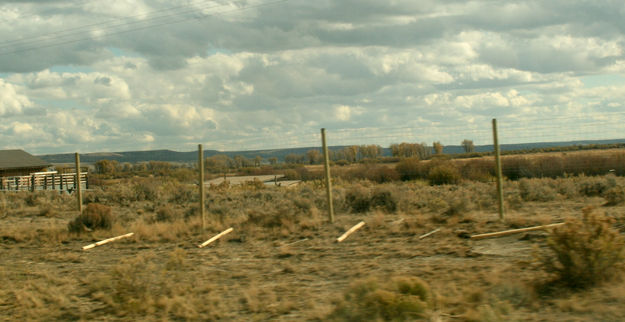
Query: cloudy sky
{"type": "Point", "coordinates": [121, 75]}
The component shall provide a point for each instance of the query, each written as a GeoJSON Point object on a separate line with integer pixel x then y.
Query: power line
{"type": "Point", "coordinates": [25, 41]}
{"type": "Point", "coordinates": [154, 25]}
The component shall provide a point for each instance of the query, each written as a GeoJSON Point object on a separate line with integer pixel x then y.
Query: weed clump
{"type": "Point", "coordinates": [444, 174]}
{"type": "Point", "coordinates": [594, 186]}
{"type": "Point", "coordinates": [615, 196]}
{"type": "Point", "coordinates": [536, 190]}
{"type": "Point", "coordinates": [167, 214]}
{"type": "Point", "coordinates": [402, 298]}
{"type": "Point", "coordinates": [409, 169]}
{"type": "Point", "coordinates": [585, 252]}
{"type": "Point", "coordinates": [360, 199]}
{"type": "Point", "coordinates": [357, 198]}
{"type": "Point", "coordinates": [384, 199]}
{"type": "Point", "coordinates": [94, 216]}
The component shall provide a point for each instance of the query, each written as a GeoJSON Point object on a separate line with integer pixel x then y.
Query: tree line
{"type": "Point", "coordinates": [221, 162]}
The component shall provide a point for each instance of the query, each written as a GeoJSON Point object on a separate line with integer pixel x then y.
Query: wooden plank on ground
{"type": "Point", "coordinates": [221, 234]}
{"type": "Point", "coordinates": [430, 233]}
{"type": "Point", "coordinates": [106, 241]}
{"type": "Point", "coordinates": [350, 231]}
{"type": "Point", "coordinates": [515, 231]}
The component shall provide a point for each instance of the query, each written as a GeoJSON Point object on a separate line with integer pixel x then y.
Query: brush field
{"type": "Point", "coordinates": [282, 261]}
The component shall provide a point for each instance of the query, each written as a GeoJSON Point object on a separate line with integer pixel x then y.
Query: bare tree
{"type": "Point", "coordinates": [313, 156]}
{"type": "Point", "coordinates": [468, 146]}
{"type": "Point", "coordinates": [438, 147]}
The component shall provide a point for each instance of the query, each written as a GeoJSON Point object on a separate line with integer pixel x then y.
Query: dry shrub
{"type": "Point", "coordinates": [368, 171]}
{"type": "Point", "coordinates": [48, 211]}
{"type": "Point", "coordinates": [585, 252]}
{"type": "Point", "coordinates": [383, 198]}
{"type": "Point", "coordinates": [515, 168]}
{"type": "Point", "coordinates": [615, 196]}
{"type": "Point", "coordinates": [548, 166]}
{"type": "Point", "coordinates": [594, 186]}
{"type": "Point", "coordinates": [253, 185]}
{"type": "Point", "coordinates": [357, 199]}
{"type": "Point", "coordinates": [410, 169]}
{"type": "Point", "coordinates": [536, 190]}
{"type": "Point", "coordinates": [139, 288]}
{"type": "Point", "coordinates": [167, 213]}
{"type": "Point", "coordinates": [178, 193]}
{"type": "Point", "coordinates": [282, 216]}
{"type": "Point", "coordinates": [403, 298]}
{"type": "Point", "coordinates": [382, 174]}
{"type": "Point", "coordinates": [478, 170]}
{"type": "Point", "coordinates": [94, 216]}
{"type": "Point", "coordinates": [291, 174]}
{"type": "Point", "coordinates": [445, 173]}
{"type": "Point", "coordinates": [458, 205]}
{"type": "Point", "coordinates": [145, 190]}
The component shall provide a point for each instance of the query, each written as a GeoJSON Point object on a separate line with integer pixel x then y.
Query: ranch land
{"type": "Point", "coordinates": [282, 260]}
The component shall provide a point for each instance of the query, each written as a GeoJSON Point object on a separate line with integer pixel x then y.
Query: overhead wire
{"type": "Point", "coordinates": [112, 31]}
{"type": "Point", "coordinates": [26, 40]}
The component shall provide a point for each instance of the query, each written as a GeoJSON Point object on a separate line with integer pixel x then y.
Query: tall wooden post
{"type": "Point", "coordinates": [77, 183]}
{"type": "Point", "coordinates": [499, 174]}
{"type": "Point", "coordinates": [200, 163]}
{"type": "Point", "coordinates": [326, 162]}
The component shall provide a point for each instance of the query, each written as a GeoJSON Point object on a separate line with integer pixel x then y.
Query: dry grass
{"type": "Point", "coordinates": [585, 252]}
{"type": "Point", "coordinates": [281, 261]}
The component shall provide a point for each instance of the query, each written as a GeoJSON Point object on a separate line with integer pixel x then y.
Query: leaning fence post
{"type": "Point", "coordinates": [326, 162]}
{"type": "Point", "coordinates": [499, 174]}
{"type": "Point", "coordinates": [77, 183]}
{"type": "Point", "coordinates": [201, 168]}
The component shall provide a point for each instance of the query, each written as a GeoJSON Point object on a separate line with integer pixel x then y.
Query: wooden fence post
{"type": "Point", "coordinates": [326, 162]}
{"type": "Point", "coordinates": [77, 183]}
{"type": "Point", "coordinates": [499, 174]}
{"type": "Point", "coordinates": [200, 163]}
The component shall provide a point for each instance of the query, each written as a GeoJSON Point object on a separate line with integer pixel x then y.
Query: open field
{"type": "Point", "coordinates": [282, 263]}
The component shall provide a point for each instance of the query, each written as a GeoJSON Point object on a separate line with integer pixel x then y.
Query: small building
{"type": "Point", "coordinates": [20, 163]}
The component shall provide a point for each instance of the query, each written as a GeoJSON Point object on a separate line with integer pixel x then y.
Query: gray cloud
{"type": "Point", "coordinates": [137, 75]}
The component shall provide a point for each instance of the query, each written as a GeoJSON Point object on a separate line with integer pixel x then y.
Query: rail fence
{"type": "Point", "coordinates": [50, 180]}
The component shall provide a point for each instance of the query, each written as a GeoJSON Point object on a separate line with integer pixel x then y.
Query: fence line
{"type": "Point", "coordinates": [51, 180]}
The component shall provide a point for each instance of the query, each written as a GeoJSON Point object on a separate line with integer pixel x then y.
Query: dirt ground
{"type": "Point", "coordinates": [294, 276]}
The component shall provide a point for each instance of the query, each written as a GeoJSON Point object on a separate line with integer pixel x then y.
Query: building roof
{"type": "Point", "coordinates": [19, 159]}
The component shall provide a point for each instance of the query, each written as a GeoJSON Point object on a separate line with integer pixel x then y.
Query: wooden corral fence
{"type": "Point", "coordinates": [51, 180]}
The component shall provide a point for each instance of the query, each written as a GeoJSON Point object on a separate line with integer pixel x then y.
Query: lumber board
{"type": "Point", "coordinates": [106, 241]}
{"type": "Point", "coordinates": [515, 231]}
{"type": "Point", "coordinates": [350, 231]}
{"type": "Point", "coordinates": [430, 233]}
{"type": "Point", "coordinates": [214, 238]}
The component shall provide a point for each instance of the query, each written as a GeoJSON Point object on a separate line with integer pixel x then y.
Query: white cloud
{"type": "Point", "coordinates": [252, 75]}
{"type": "Point", "coordinates": [11, 102]}
{"type": "Point", "coordinates": [342, 113]}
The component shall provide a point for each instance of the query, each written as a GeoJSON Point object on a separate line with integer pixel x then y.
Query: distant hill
{"type": "Point", "coordinates": [187, 157]}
